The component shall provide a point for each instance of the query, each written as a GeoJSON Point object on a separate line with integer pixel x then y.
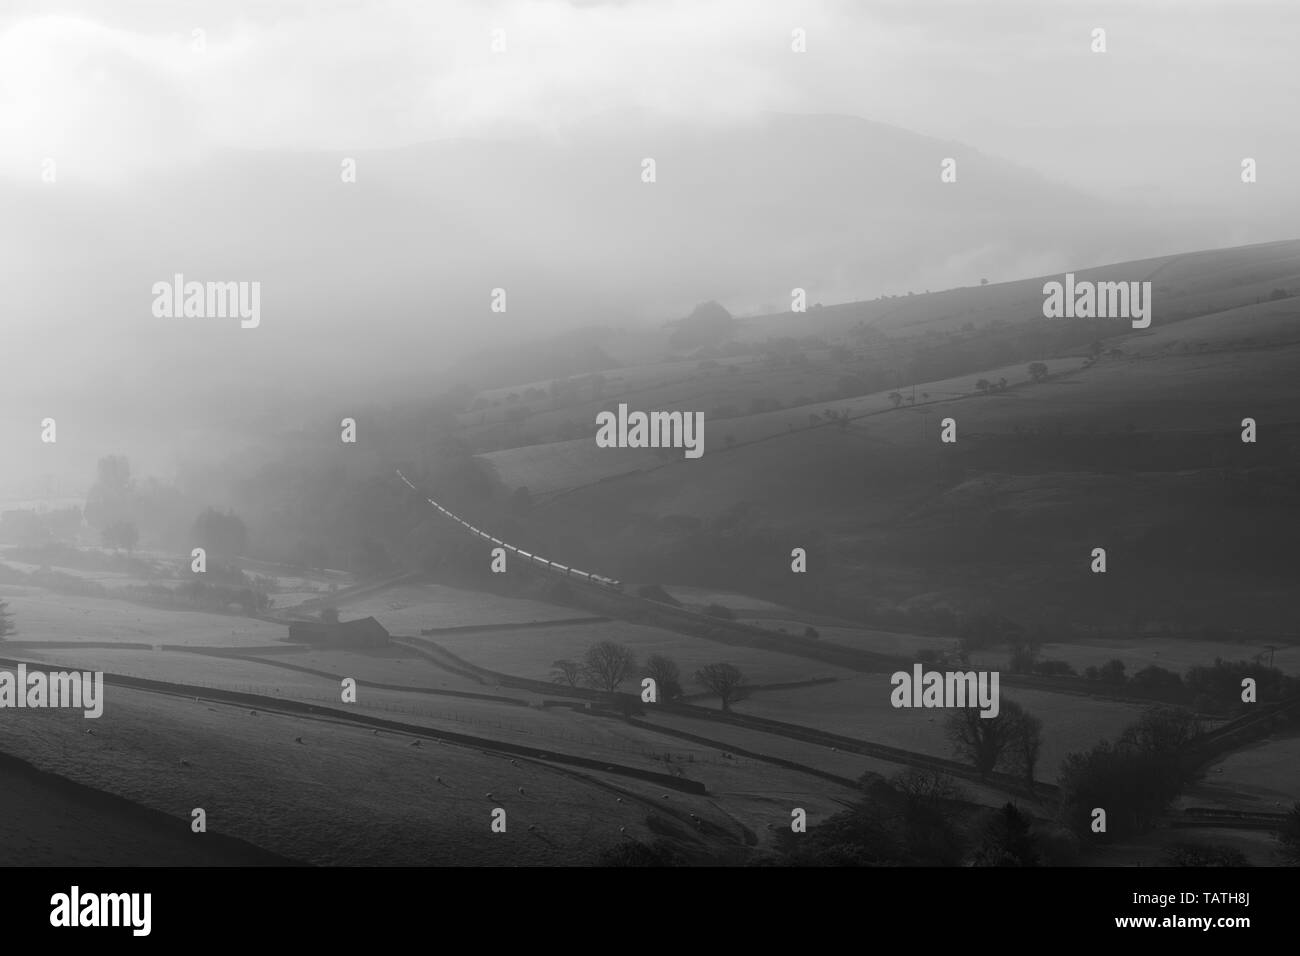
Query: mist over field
{"type": "Point", "coordinates": [499, 357]}
{"type": "Point", "coordinates": [478, 170]}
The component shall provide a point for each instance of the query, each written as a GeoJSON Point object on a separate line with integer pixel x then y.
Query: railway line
{"type": "Point", "coordinates": [586, 577]}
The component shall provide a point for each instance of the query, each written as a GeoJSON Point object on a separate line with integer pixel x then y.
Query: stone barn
{"type": "Point", "coordinates": [363, 632]}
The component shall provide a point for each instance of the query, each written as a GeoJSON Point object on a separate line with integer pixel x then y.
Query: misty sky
{"type": "Point", "coordinates": [113, 87]}
{"type": "Point", "coordinates": [172, 158]}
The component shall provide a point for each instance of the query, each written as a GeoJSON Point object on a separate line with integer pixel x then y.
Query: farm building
{"type": "Point", "coordinates": [363, 632]}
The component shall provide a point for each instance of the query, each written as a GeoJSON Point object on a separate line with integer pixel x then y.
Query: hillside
{"type": "Point", "coordinates": [1137, 451]}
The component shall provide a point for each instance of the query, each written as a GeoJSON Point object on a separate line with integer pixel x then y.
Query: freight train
{"type": "Point", "coordinates": [599, 580]}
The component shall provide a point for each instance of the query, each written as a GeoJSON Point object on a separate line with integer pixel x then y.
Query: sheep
{"type": "Point", "coordinates": [521, 791]}
{"type": "Point", "coordinates": [297, 740]}
{"type": "Point", "coordinates": [488, 794]}
{"type": "Point", "coordinates": [415, 743]}
{"type": "Point", "coordinates": [185, 763]}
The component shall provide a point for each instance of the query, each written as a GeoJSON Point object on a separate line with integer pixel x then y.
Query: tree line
{"type": "Point", "coordinates": [607, 665]}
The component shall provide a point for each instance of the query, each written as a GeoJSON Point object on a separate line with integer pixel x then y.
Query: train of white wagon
{"type": "Point", "coordinates": [599, 580]}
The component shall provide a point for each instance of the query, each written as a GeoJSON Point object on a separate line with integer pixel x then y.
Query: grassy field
{"type": "Point", "coordinates": [287, 589]}
{"type": "Point", "coordinates": [1264, 776]}
{"type": "Point", "coordinates": [849, 765]}
{"type": "Point", "coordinates": [346, 796]}
{"type": "Point", "coordinates": [46, 821]}
{"type": "Point", "coordinates": [1215, 281]}
{"type": "Point", "coordinates": [1156, 364]}
{"type": "Point", "coordinates": [371, 799]}
{"type": "Point", "coordinates": [531, 653]}
{"type": "Point", "coordinates": [563, 465]}
{"type": "Point", "coordinates": [699, 598]}
{"type": "Point", "coordinates": [407, 609]}
{"type": "Point", "coordinates": [553, 727]}
{"type": "Point", "coordinates": [1176, 654]}
{"type": "Point", "coordinates": [181, 667]}
{"type": "Point", "coordinates": [1140, 451]}
{"type": "Point", "coordinates": [1235, 321]}
{"type": "Point", "coordinates": [107, 579]}
{"type": "Point", "coordinates": [860, 708]}
{"type": "Point", "coordinates": [1170, 653]}
{"type": "Point", "coordinates": [40, 615]}
{"type": "Point", "coordinates": [382, 665]}
{"type": "Point", "coordinates": [269, 679]}
{"type": "Point", "coordinates": [884, 642]}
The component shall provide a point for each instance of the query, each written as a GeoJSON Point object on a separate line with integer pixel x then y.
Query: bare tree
{"type": "Point", "coordinates": [667, 676]}
{"type": "Point", "coordinates": [1025, 744]}
{"type": "Point", "coordinates": [329, 615]}
{"type": "Point", "coordinates": [927, 787]}
{"type": "Point", "coordinates": [1008, 840]}
{"type": "Point", "coordinates": [1024, 652]}
{"type": "Point", "coordinates": [606, 665]}
{"type": "Point", "coordinates": [6, 620]}
{"type": "Point", "coordinates": [1169, 731]}
{"type": "Point", "coordinates": [726, 681]}
{"type": "Point", "coordinates": [566, 672]}
{"type": "Point", "coordinates": [985, 740]}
